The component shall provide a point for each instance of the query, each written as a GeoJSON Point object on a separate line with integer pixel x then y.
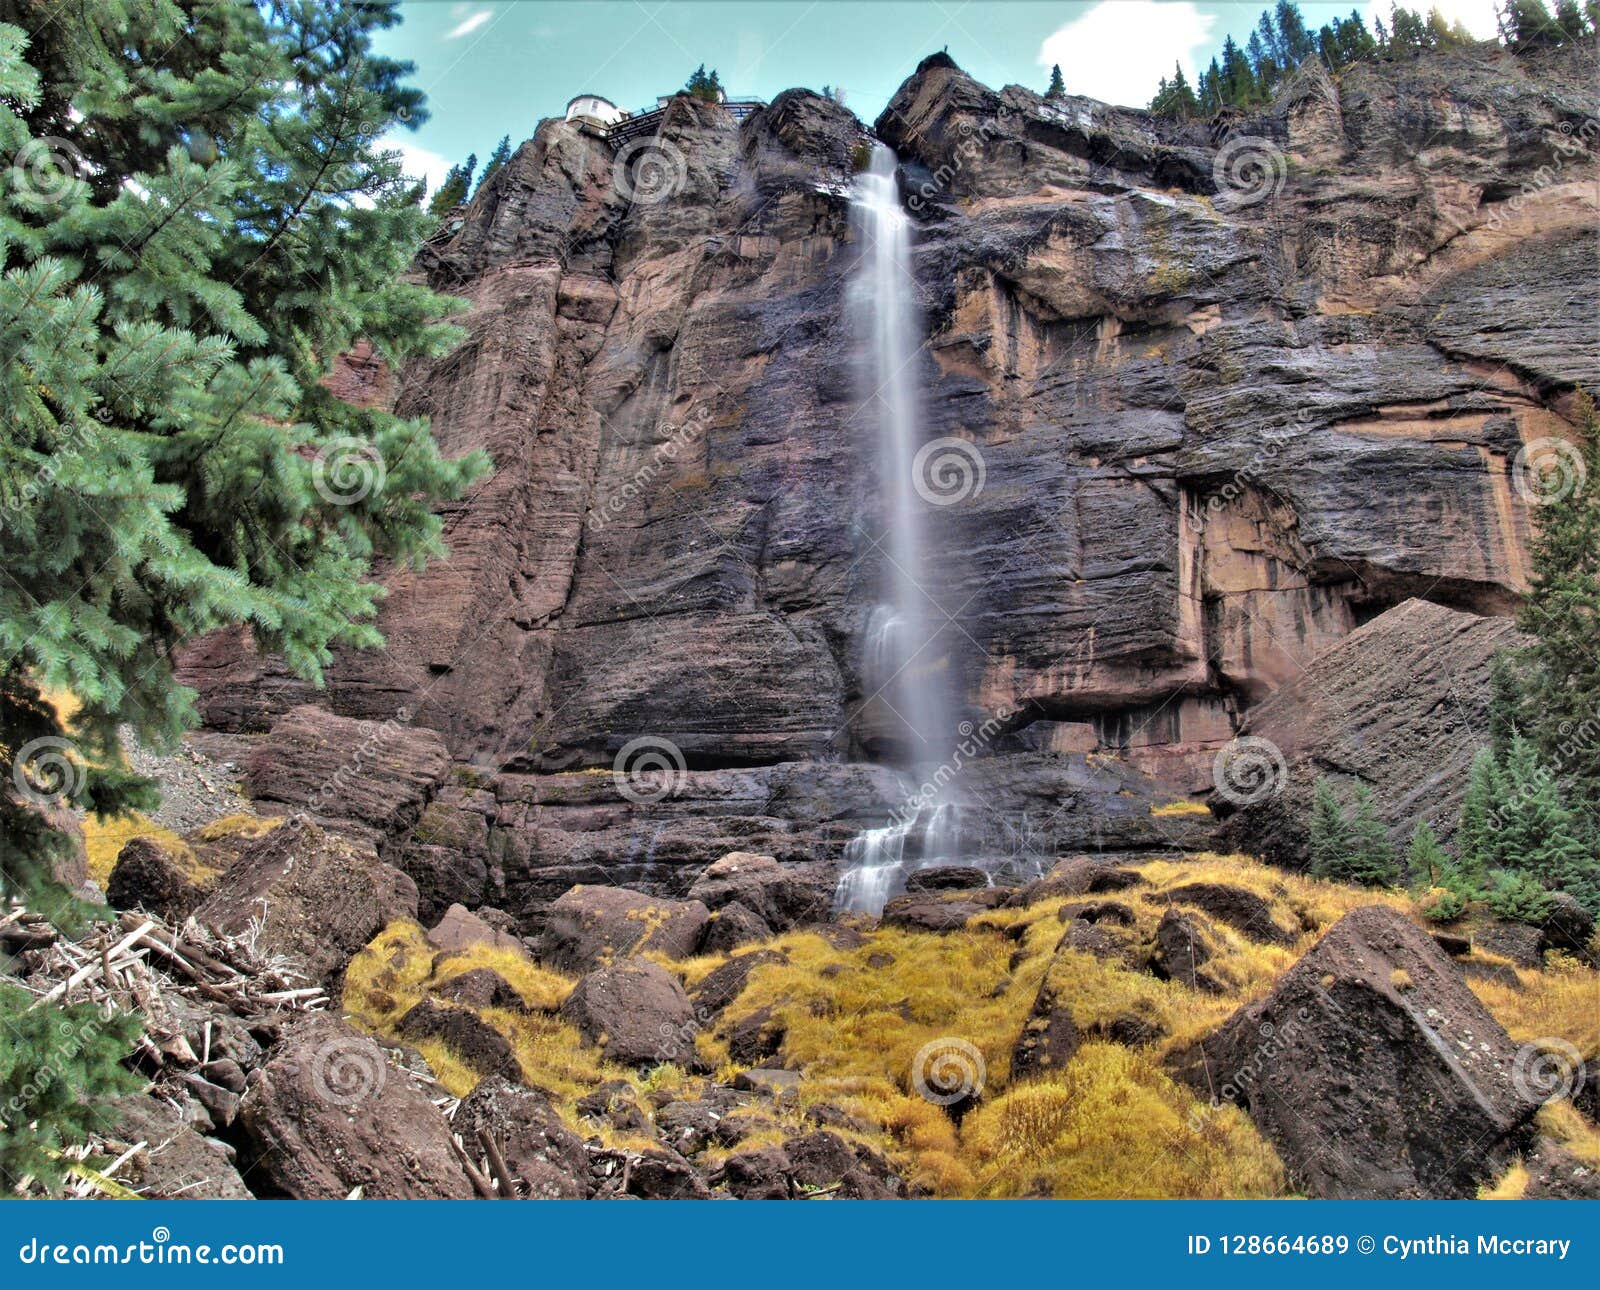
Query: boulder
{"type": "Point", "coordinates": [546, 1158]}
{"type": "Point", "coordinates": [755, 1038]}
{"type": "Point", "coordinates": [722, 985]}
{"type": "Point", "coordinates": [175, 1162]}
{"type": "Point", "coordinates": [732, 926]}
{"type": "Point", "coordinates": [635, 1011]}
{"type": "Point", "coordinates": [779, 894]}
{"type": "Point", "coordinates": [756, 1173]}
{"type": "Point", "coordinates": [327, 1113]}
{"type": "Point", "coordinates": [1242, 910]}
{"type": "Point", "coordinates": [1372, 1068]}
{"type": "Point", "coordinates": [367, 779]}
{"type": "Point", "coordinates": [461, 930]}
{"type": "Point", "coordinates": [1181, 951]}
{"type": "Point", "coordinates": [824, 1162]}
{"type": "Point", "coordinates": [952, 877]}
{"type": "Point", "coordinates": [1088, 938]}
{"type": "Point", "coordinates": [659, 1173]}
{"type": "Point", "coordinates": [1569, 927]}
{"type": "Point", "coordinates": [1049, 1036]}
{"type": "Point", "coordinates": [1520, 943]}
{"type": "Point", "coordinates": [615, 1104]}
{"type": "Point", "coordinates": [310, 896]}
{"type": "Point", "coordinates": [468, 1036]}
{"type": "Point", "coordinates": [148, 876]}
{"type": "Point", "coordinates": [927, 912]}
{"type": "Point", "coordinates": [479, 988]}
{"type": "Point", "coordinates": [1400, 704]}
{"type": "Point", "coordinates": [589, 927]}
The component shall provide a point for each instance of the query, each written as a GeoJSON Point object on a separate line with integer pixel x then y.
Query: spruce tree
{"type": "Point", "coordinates": [1427, 865]}
{"type": "Point", "coordinates": [455, 188]}
{"type": "Point", "coordinates": [216, 227]}
{"type": "Point", "coordinates": [1539, 834]}
{"type": "Point", "coordinates": [1372, 860]}
{"type": "Point", "coordinates": [1562, 613]}
{"type": "Point", "coordinates": [497, 159]}
{"type": "Point", "coordinates": [1058, 88]}
{"type": "Point", "coordinates": [1475, 836]}
{"type": "Point", "coordinates": [1329, 843]}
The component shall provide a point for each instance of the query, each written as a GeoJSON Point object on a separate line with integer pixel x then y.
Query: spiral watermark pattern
{"type": "Point", "coordinates": [1247, 170]}
{"type": "Point", "coordinates": [45, 770]}
{"type": "Point", "coordinates": [948, 1070]}
{"type": "Point", "coordinates": [1548, 1070]}
{"type": "Point", "coordinates": [347, 471]}
{"type": "Point", "coordinates": [947, 471]}
{"type": "Point", "coordinates": [1547, 470]}
{"type": "Point", "coordinates": [346, 1071]}
{"type": "Point", "coordinates": [649, 171]}
{"type": "Point", "coordinates": [648, 770]}
{"type": "Point", "coordinates": [46, 169]}
{"type": "Point", "coordinates": [1248, 770]}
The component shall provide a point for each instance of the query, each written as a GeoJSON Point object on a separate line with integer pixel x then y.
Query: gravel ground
{"type": "Point", "coordinates": [199, 781]}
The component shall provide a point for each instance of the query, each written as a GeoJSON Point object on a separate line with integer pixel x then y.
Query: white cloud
{"type": "Point", "coordinates": [469, 24]}
{"type": "Point", "coordinates": [420, 163]}
{"type": "Point", "coordinates": [1119, 50]}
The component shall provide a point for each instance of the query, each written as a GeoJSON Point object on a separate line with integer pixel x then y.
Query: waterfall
{"type": "Point", "coordinates": [903, 666]}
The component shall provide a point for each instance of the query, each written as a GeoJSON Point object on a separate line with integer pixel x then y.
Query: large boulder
{"type": "Point", "coordinates": [328, 1114]}
{"type": "Point", "coordinates": [369, 779]}
{"type": "Point", "coordinates": [309, 896]}
{"type": "Point", "coordinates": [1242, 910]}
{"type": "Point", "coordinates": [1049, 1036]}
{"type": "Point", "coordinates": [148, 876]}
{"type": "Point", "coordinates": [545, 1157]}
{"type": "Point", "coordinates": [778, 894]}
{"type": "Point", "coordinates": [723, 984]}
{"type": "Point", "coordinates": [1400, 705]}
{"type": "Point", "coordinates": [591, 926]}
{"type": "Point", "coordinates": [636, 1012]}
{"type": "Point", "coordinates": [460, 929]}
{"type": "Point", "coordinates": [175, 1162]}
{"type": "Point", "coordinates": [1372, 1068]}
{"type": "Point", "coordinates": [473, 1040]}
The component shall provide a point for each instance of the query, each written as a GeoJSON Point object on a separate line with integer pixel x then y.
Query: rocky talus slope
{"type": "Point", "coordinates": [1225, 416]}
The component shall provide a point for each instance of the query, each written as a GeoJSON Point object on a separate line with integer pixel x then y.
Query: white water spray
{"type": "Point", "coordinates": [904, 667]}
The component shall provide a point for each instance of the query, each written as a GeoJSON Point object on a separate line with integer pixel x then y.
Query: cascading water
{"type": "Point", "coordinates": [903, 666]}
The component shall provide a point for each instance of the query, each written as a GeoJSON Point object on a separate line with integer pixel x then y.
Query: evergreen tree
{"type": "Point", "coordinates": [1475, 833]}
{"type": "Point", "coordinates": [1238, 81]}
{"type": "Point", "coordinates": [497, 159]}
{"type": "Point", "coordinates": [1330, 840]}
{"type": "Point", "coordinates": [1538, 833]}
{"type": "Point", "coordinates": [1372, 858]}
{"type": "Point", "coordinates": [1427, 865]}
{"type": "Point", "coordinates": [1571, 22]}
{"type": "Point", "coordinates": [1520, 899]}
{"type": "Point", "coordinates": [1175, 98]}
{"type": "Point", "coordinates": [704, 85]}
{"type": "Point", "coordinates": [58, 1068]}
{"type": "Point", "coordinates": [222, 228]}
{"type": "Point", "coordinates": [1527, 24]}
{"type": "Point", "coordinates": [1507, 712]}
{"type": "Point", "coordinates": [453, 191]}
{"type": "Point", "coordinates": [1295, 41]}
{"type": "Point", "coordinates": [1562, 614]}
{"type": "Point", "coordinates": [1058, 88]}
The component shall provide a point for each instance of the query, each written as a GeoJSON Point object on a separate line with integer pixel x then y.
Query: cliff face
{"type": "Point", "coordinates": [1226, 413]}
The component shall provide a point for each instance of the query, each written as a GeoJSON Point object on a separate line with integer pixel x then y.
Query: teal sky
{"type": "Point", "coordinates": [499, 68]}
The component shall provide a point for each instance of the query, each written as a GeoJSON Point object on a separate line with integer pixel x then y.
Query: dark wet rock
{"type": "Point", "coordinates": [592, 926]}
{"type": "Point", "coordinates": [1049, 1035]}
{"type": "Point", "coordinates": [825, 1162]}
{"type": "Point", "coordinates": [479, 988]}
{"type": "Point", "coordinates": [1453, 943]}
{"type": "Point", "coordinates": [1181, 951]}
{"type": "Point", "coordinates": [947, 878]}
{"type": "Point", "coordinates": [327, 1114]}
{"type": "Point", "coordinates": [1372, 1068]}
{"type": "Point", "coordinates": [1087, 938]}
{"type": "Point", "coordinates": [1556, 1174]}
{"type": "Point", "coordinates": [754, 1038]}
{"type": "Point", "coordinates": [929, 912]}
{"type": "Point", "coordinates": [1242, 910]}
{"type": "Point", "coordinates": [309, 895]}
{"type": "Point", "coordinates": [545, 1156]}
{"type": "Point", "coordinates": [722, 985]}
{"type": "Point", "coordinates": [635, 1011]}
{"type": "Point", "coordinates": [782, 896]}
{"type": "Point", "coordinates": [1518, 942]}
{"type": "Point", "coordinates": [175, 1161]}
{"type": "Point", "coordinates": [468, 1036]}
{"type": "Point", "coordinates": [732, 926]}
{"type": "Point", "coordinates": [1098, 911]}
{"type": "Point", "coordinates": [148, 876]}
{"type": "Point", "coordinates": [757, 1173]}
{"type": "Point", "coordinates": [659, 1174]}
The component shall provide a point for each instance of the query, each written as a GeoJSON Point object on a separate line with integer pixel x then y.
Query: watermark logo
{"type": "Point", "coordinates": [1248, 770]}
{"type": "Point", "coordinates": [647, 770]}
{"type": "Point", "coordinates": [1548, 1070]}
{"type": "Point", "coordinates": [45, 770]}
{"type": "Point", "coordinates": [46, 169]}
{"type": "Point", "coordinates": [1547, 471]}
{"type": "Point", "coordinates": [347, 1071]}
{"type": "Point", "coordinates": [948, 1070]}
{"type": "Point", "coordinates": [347, 471]}
{"type": "Point", "coordinates": [947, 471]}
{"type": "Point", "coordinates": [649, 171]}
{"type": "Point", "coordinates": [1247, 171]}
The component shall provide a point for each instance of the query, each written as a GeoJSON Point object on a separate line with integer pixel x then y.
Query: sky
{"type": "Point", "coordinates": [499, 68]}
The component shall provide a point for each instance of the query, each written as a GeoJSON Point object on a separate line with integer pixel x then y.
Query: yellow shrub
{"type": "Point", "coordinates": [104, 837]}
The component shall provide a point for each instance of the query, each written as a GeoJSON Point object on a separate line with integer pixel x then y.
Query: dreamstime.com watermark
{"type": "Point", "coordinates": [160, 1250]}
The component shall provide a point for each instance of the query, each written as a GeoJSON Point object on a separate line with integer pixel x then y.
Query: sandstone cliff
{"type": "Point", "coordinates": [1236, 388]}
